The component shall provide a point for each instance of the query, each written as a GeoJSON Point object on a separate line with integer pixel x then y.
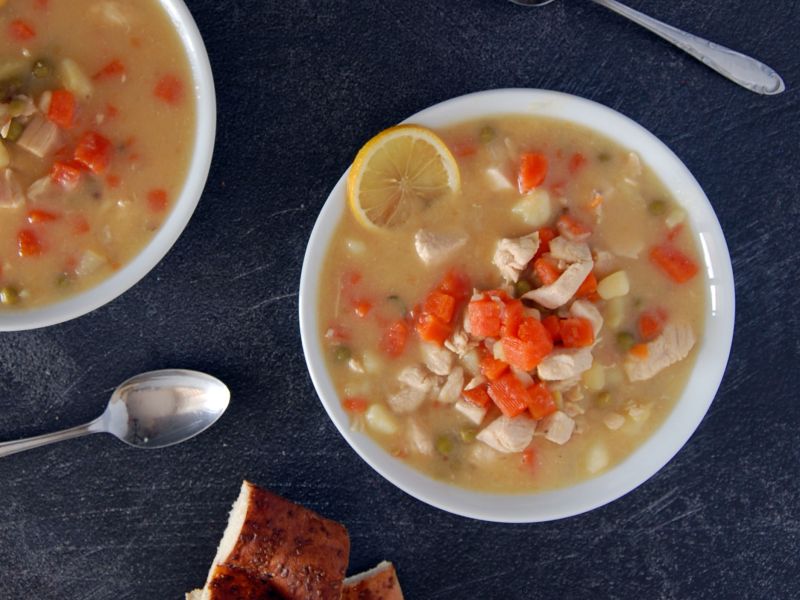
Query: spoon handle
{"type": "Point", "coordinates": [8, 448]}
{"type": "Point", "coordinates": [747, 72]}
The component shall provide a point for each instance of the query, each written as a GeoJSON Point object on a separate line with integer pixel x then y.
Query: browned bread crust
{"type": "Point", "coordinates": [299, 554]}
{"type": "Point", "coordinates": [382, 584]}
{"type": "Point", "coordinates": [234, 584]}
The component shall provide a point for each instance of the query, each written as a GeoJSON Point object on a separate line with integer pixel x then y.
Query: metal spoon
{"type": "Point", "coordinates": [151, 410]}
{"type": "Point", "coordinates": [747, 72]}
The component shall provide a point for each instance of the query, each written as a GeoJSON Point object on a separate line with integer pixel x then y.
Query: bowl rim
{"type": "Point", "coordinates": [690, 408]}
{"type": "Point", "coordinates": [150, 255]}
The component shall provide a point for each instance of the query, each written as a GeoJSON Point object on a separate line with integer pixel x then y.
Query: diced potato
{"type": "Point", "coordinates": [675, 217]}
{"type": "Point", "coordinates": [5, 159]}
{"type": "Point", "coordinates": [595, 378]}
{"type": "Point", "coordinates": [614, 286]}
{"type": "Point", "coordinates": [355, 246]}
{"type": "Point", "coordinates": [597, 458]}
{"type": "Point", "coordinates": [74, 79]}
{"type": "Point", "coordinates": [372, 362]}
{"type": "Point", "coordinates": [471, 362]}
{"type": "Point", "coordinates": [615, 312]}
{"type": "Point", "coordinates": [90, 262]}
{"type": "Point", "coordinates": [614, 421]}
{"type": "Point", "coordinates": [497, 180]}
{"type": "Point", "coordinates": [614, 377]}
{"type": "Point", "coordinates": [536, 209]}
{"type": "Point", "coordinates": [381, 420]}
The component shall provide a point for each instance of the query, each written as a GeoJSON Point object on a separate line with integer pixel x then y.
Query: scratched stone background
{"type": "Point", "coordinates": [301, 85]}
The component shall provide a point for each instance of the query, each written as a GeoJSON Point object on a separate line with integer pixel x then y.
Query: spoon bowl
{"type": "Point", "coordinates": [151, 410]}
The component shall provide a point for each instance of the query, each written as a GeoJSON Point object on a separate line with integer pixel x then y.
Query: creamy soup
{"type": "Point", "coordinates": [97, 119]}
{"type": "Point", "coordinates": [527, 332]}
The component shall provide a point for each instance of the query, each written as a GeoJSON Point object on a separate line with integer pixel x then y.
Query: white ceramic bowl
{"type": "Point", "coordinates": [149, 257]}
{"type": "Point", "coordinates": [715, 340]}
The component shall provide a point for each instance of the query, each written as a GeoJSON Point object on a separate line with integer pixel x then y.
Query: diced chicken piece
{"type": "Point", "coordinates": [557, 427]}
{"type": "Point", "coordinates": [640, 412]}
{"type": "Point", "coordinates": [474, 413]}
{"type": "Point", "coordinates": [564, 364]}
{"type": "Point", "coordinates": [459, 343]}
{"type": "Point", "coordinates": [587, 310]}
{"type": "Point", "coordinates": [513, 255]}
{"type": "Point", "coordinates": [563, 249]}
{"type": "Point", "coordinates": [439, 360]}
{"type": "Point", "coordinates": [614, 421]}
{"type": "Point", "coordinates": [560, 291]}
{"type": "Point", "coordinates": [434, 248]}
{"type": "Point", "coordinates": [471, 361]}
{"type": "Point", "coordinates": [89, 263]}
{"type": "Point", "coordinates": [564, 385]}
{"type": "Point", "coordinates": [673, 345]}
{"type": "Point", "coordinates": [573, 409]}
{"type": "Point", "coordinates": [632, 169]}
{"type": "Point", "coordinates": [355, 365]}
{"type": "Point", "coordinates": [451, 390]}
{"type": "Point", "coordinates": [604, 262]}
{"type": "Point", "coordinates": [508, 435]}
{"type": "Point", "coordinates": [524, 378]}
{"type": "Point", "coordinates": [417, 378]}
{"type": "Point", "coordinates": [407, 400]}
{"type": "Point", "coordinates": [597, 458]}
{"type": "Point", "coordinates": [44, 189]}
{"type": "Point", "coordinates": [112, 13]}
{"type": "Point", "coordinates": [11, 195]}
{"type": "Point", "coordinates": [419, 438]}
{"type": "Point", "coordinates": [40, 138]}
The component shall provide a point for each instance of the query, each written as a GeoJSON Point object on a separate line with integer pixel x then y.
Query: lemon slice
{"type": "Point", "coordinates": [399, 173]}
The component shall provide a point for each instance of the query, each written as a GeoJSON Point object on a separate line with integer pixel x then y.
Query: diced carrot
{"type": "Point", "coordinates": [62, 108]}
{"type": "Point", "coordinates": [115, 68]}
{"type": "Point", "coordinates": [113, 181]}
{"type": "Point", "coordinates": [355, 405]}
{"type": "Point", "coordinates": [157, 200]}
{"type": "Point", "coordinates": [596, 201]}
{"type": "Point", "coordinates": [640, 351]}
{"type": "Point", "coordinates": [546, 234]}
{"type": "Point", "coordinates": [21, 31]}
{"type": "Point", "coordinates": [94, 151]}
{"type": "Point", "coordinates": [558, 188]}
{"type": "Point", "coordinates": [349, 279]}
{"type": "Point", "coordinates": [546, 271]}
{"type": "Point", "coordinates": [529, 457]}
{"type": "Point", "coordinates": [532, 330]}
{"type": "Point", "coordinates": [464, 148]}
{"type": "Point", "coordinates": [433, 329]}
{"type": "Point", "coordinates": [479, 396]}
{"type": "Point", "coordinates": [588, 287]}
{"type": "Point", "coordinates": [41, 4]}
{"type": "Point", "coordinates": [576, 332]}
{"type": "Point", "coordinates": [513, 312]}
{"type": "Point", "coordinates": [532, 171]}
{"type": "Point", "coordinates": [362, 307]}
{"type": "Point", "coordinates": [520, 354]}
{"type": "Point", "coordinates": [509, 394]}
{"type": "Point", "coordinates": [456, 284]}
{"type": "Point", "coordinates": [111, 111]}
{"type": "Point", "coordinates": [677, 265]}
{"type": "Point", "coordinates": [336, 334]}
{"type": "Point", "coordinates": [440, 305]}
{"type": "Point", "coordinates": [485, 317]}
{"type": "Point", "coordinates": [571, 228]}
{"type": "Point", "coordinates": [395, 338]}
{"type": "Point", "coordinates": [673, 233]}
{"type": "Point", "coordinates": [540, 401]}
{"type": "Point", "coordinates": [28, 243]}
{"type": "Point", "coordinates": [80, 225]}
{"type": "Point", "coordinates": [169, 89]}
{"type": "Point", "coordinates": [576, 163]}
{"type": "Point", "coordinates": [491, 368]}
{"type": "Point", "coordinates": [66, 173]}
{"type": "Point", "coordinates": [651, 323]}
{"type": "Point", "coordinates": [553, 325]}
{"type": "Point", "coordinates": [36, 215]}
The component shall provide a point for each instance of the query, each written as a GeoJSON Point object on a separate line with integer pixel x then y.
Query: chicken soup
{"type": "Point", "coordinates": [511, 305]}
{"type": "Point", "coordinates": [97, 120]}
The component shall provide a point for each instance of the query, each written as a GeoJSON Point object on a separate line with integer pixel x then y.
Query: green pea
{"type": "Point", "coordinates": [9, 295]}
{"type": "Point", "coordinates": [40, 69]}
{"type": "Point", "coordinates": [487, 134]}
{"type": "Point", "coordinates": [603, 399]}
{"type": "Point", "coordinates": [523, 286]}
{"type": "Point", "coordinates": [63, 280]}
{"type": "Point", "coordinates": [342, 353]}
{"type": "Point", "coordinates": [657, 207]}
{"type": "Point", "coordinates": [468, 434]}
{"type": "Point", "coordinates": [604, 157]}
{"type": "Point", "coordinates": [444, 445]}
{"type": "Point", "coordinates": [625, 340]}
{"type": "Point", "coordinates": [15, 130]}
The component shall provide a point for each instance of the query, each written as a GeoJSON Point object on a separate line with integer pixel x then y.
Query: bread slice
{"type": "Point", "coordinates": [274, 548]}
{"type": "Point", "coordinates": [379, 583]}
{"type": "Point", "coordinates": [194, 595]}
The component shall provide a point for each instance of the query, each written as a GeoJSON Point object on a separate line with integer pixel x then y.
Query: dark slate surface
{"type": "Point", "coordinates": [301, 86]}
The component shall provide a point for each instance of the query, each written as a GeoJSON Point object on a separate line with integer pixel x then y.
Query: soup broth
{"type": "Point", "coordinates": [98, 122]}
{"type": "Point", "coordinates": [375, 285]}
